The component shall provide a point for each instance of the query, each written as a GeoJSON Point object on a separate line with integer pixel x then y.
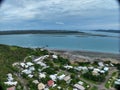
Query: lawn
{"type": "Point", "coordinates": [94, 88]}
{"type": "Point", "coordinates": [110, 82]}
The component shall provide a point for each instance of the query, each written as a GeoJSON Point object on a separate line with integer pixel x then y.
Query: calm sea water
{"type": "Point", "coordinates": [67, 42]}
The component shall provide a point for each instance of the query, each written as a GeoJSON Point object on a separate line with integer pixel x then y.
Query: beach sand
{"type": "Point", "coordinates": [85, 56]}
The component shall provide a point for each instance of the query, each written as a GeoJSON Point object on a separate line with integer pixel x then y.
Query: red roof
{"type": "Point", "coordinates": [50, 83]}
{"type": "Point", "coordinates": [11, 88]}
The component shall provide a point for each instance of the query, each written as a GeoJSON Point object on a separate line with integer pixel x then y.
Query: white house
{"type": "Point", "coordinates": [68, 67]}
{"type": "Point", "coordinates": [29, 64]}
{"type": "Point", "coordinates": [42, 75]}
{"type": "Point", "coordinates": [41, 58]}
{"type": "Point", "coordinates": [11, 83]}
{"type": "Point", "coordinates": [10, 80]}
{"type": "Point", "coordinates": [30, 75]}
{"type": "Point", "coordinates": [41, 64]}
{"type": "Point", "coordinates": [101, 64]}
{"type": "Point", "coordinates": [79, 87]}
{"type": "Point", "coordinates": [61, 77]}
{"type": "Point", "coordinates": [31, 68]}
{"type": "Point", "coordinates": [26, 71]}
{"type": "Point", "coordinates": [53, 77]}
{"type": "Point", "coordinates": [106, 68]}
{"type": "Point", "coordinates": [22, 65]}
{"type": "Point", "coordinates": [54, 56]}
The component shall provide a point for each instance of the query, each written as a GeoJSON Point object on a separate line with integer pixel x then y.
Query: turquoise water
{"type": "Point", "coordinates": [67, 42]}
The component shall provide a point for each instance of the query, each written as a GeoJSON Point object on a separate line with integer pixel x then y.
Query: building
{"type": "Point", "coordinates": [61, 77]}
{"type": "Point", "coordinates": [11, 88]}
{"type": "Point", "coordinates": [42, 75]}
{"type": "Point", "coordinates": [54, 56]}
{"type": "Point", "coordinates": [35, 81]}
{"type": "Point", "coordinates": [50, 83]}
{"type": "Point", "coordinates": [106, 68]}
{"type": "Point", "coordinates": [66, 78]}
{"type": "Point", "coordinates": [117, 82]}
{"type": "Point", "coordinates": [68, 67]}
{"type": "Point", "coordinates": [79, 87]}
{"type": "Point", "coordinates": [53, 77]}
{"type": "Point", "coordinates": [41, 86]}
{"type": "Point", "coordinates": [101, 64]}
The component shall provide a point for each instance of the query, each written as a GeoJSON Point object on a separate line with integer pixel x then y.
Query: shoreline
{"type": "Point", "coordinates": [83, 56]}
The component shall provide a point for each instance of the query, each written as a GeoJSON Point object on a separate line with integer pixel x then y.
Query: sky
{"type": "Point", "coordinates": [59, 15]}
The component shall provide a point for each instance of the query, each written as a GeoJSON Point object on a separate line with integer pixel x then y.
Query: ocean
{"type": "Point", "coordinates": [63, 42]}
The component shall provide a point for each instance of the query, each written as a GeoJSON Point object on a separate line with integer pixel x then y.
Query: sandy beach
{"type": "Point", "coordinates": [84, 56]}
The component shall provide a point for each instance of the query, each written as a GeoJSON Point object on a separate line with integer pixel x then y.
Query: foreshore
{"type": "Point", "coordinates": [82, 56]}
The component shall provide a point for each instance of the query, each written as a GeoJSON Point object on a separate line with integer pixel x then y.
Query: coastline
{"type": "Point", "coordinates": [83, 56]}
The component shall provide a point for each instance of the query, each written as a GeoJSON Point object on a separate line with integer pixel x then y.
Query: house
{"type": "Point", "coordinates": [50, 83]}
{"type": "Point", "coordinates": [59, 87]}
{"type": "Point", "coordinates": [30, 75]}
{"type": "Point", "coordinates": [94, 72]}
{"type": "Point", "coordinates": [78, 68]}
{"type": "Point", "coordinates": [54, 56]}
{"type": "Point", "coordinates": [22, 65]}
{"type": "Point", "coordinates": [31, 68]}
{"type": "Point", "coordinates": [11, 88]}
{"type": "Point", "coordinates": [54, 85]}
{"type": "Point", "coordinates": [35, 81]}
{"type": "Point", "coordinates": [117, 82]}
{"type": "Point", "coordinates": [106, 68]}
{"type": "Point", "coordinates": [41, 58]}
{"type": "Point", "coordinates": [26, 71]}
{"type": "Point", "coordinates": [10, 78]}
{"type": "Point", "coordinates": [91, 68]}
{"type": "Point", "coordinates": [41, 86]}
{"type": "Point", "coordinates": [102, 71]}
{"type": "Point", "coordinates": [9, 83]}
{"type": "Point", "coordinates": [101, 64]}
{"type": "Point", "coordinates": [79, 87]}
{"type": "Point", "coordinates": [29, 64]}
{"type": "Point", "coordinates": [80, 82]}
{"type": "Point", "coordinates": [61, 77]}
{"type": "Point", "coordinates": [84, 69]}
{"type": "Point", "coordinates": [67, 78]}
{"type": "Point", "coordinates": [42, 75]}
{"type": "Point", "coordinates": [53, 77]}
{"type": "Point", "coordinates": [41, 64]}
{"type": "Point", "coordinates": [68, 67]}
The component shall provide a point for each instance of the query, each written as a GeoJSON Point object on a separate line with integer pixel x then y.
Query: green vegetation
{"type": "Point", "coordinates": [96, 78]}
{"type": "Point", "coordinates": [117, 86]}
{"type": "Point", "coordinates": [12, 54]}
{"type": "Point", "coordinates": [110, 82]}
{"type": "Point", "coordinates": [94, 88]}
{"type": "Point", "coordinates": [9, 55]}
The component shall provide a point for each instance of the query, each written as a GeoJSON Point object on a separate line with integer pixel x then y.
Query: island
{"type": "Point", "coordinates": [109, 31]}
{"type": "Point", "coordinates": [41, 69]}
{"type": "Point", "coordinates": [53, 32]}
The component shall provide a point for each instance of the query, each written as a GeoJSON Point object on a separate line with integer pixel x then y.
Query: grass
{"type": "Point", "coordinates": [110, 82]}
{"type": "Point", "coordinates": [90, 81]}
{"type": "Point", "coordinates": [10, 55]}
{"type": "Point", "coordinates": [94, 88]}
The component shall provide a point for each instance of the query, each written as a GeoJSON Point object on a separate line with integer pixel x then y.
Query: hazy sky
{"type": "Point", "coordinates": [59, 14]}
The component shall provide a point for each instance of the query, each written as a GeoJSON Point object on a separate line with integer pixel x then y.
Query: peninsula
{"type": "Point", "coordinates": [41, 69]}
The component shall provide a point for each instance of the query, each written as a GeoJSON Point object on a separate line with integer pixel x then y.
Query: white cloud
{"type": "Point", "coordinates": [50, 9]}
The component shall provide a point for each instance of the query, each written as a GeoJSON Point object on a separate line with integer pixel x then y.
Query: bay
{"type": "Point", "coordinates": [63, 42]}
